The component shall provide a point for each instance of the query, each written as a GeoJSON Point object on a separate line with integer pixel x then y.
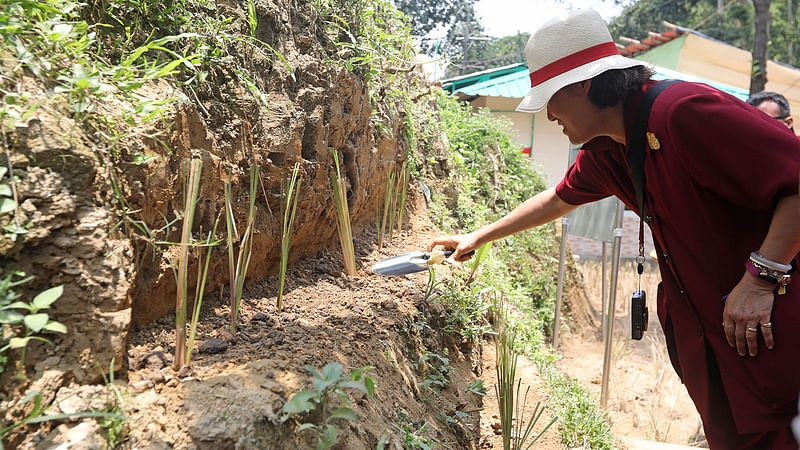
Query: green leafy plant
{"type": "Point", "coordinates": [191, 191]}
{"type": "Point", "coordinates": [27, 317]}
{"type": "Point", "coordinates": [8, 204]}
{"type": "Point", "coordinates": [238, 269]}
{"type": "Point", "coordinates": [436, 369]}
{"type": "Point", "coordinates": [288, 210]}
{"type": "Point", "coordinates": [477, 388]}
{"type": "Point", "coordinates": [316, 403]}
{"type": "Point", "coordinates": [114, 422]}
{"type": "Point", "coordinates": [412, 433]}
{"type": "Point", "coordinates": [343, 213]}
{"type": "Point", "coordinates": [37, 415]}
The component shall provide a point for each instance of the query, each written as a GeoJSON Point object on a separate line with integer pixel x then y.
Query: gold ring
{"type": "Point", "coordinates": [766, 325]}
{"type": "Point", "coordinates": [752, 329]}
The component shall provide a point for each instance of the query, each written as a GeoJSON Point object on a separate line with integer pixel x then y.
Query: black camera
{"type": "Point", "coordinates": [639, 315]}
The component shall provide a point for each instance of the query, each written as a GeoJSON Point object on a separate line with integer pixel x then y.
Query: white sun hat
{"type": "Point", "coordinates": [567, 50]}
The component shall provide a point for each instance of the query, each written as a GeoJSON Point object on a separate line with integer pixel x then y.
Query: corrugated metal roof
{"type": "Point", "coordinates": [516, 83]}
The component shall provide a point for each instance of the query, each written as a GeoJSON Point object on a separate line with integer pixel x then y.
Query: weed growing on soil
{"type": "Point", "coordinates": [315, 403]}
{"type": "Point", "coordinates": [436, 369]}
{"type": "Point", "coordinates": [288, 209]}
{"type": "Point", "coordinates": [114, 422]}
{"type": "Point", "coordinates": [25, 320]}
{"type": "Point", "coordinates": [238, 269]}
{"type": "Point", "coordinates": [343, 213]}
{"type": "Point", "coordinates": [37, 415]}
{"type": "Point", "coordinates": [412, 433]}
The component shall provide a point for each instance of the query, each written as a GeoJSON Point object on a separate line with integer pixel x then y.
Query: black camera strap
{"type": "Point", "coordinates": [636, 156]}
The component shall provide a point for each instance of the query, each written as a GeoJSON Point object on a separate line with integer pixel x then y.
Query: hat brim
{"type": "Point", "coordinates": [539, 95]}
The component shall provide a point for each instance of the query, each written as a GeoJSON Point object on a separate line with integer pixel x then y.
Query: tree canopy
{"type": "Point", "coordinates": [735, 25]}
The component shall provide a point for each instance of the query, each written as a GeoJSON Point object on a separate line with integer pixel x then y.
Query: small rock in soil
{"type": "Point", "coordinates": [226, 336]}
{"type": "Point", "coordinates": [261, 317]}
{"type": "Point", "coordinates": [186, 371]}
{"type": "Point", "coordinates": [153, 360]}
{"type": "Point", "coordinates": [389, 304]}
{"type": "Point", "coordinates": [213, 346]}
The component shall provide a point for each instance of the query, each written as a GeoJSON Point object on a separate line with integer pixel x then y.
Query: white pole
{"type": "Point", "coordinates": [603, 288]}
{"type": "Point", "coordinates": [560, 291]}
{"type": "Point", "coordinates": [611, 304]}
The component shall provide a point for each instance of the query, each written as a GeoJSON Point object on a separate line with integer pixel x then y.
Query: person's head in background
{"type": "Point", "coordinates": [773, 104]}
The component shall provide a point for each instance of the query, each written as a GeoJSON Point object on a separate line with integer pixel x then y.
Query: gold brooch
{"type": "Point", "coordinates": [652, 141]}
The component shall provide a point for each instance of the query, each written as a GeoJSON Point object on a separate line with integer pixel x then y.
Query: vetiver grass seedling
{"type": "Point", "coordinates": [288, 210]}
{"type": "Point", "coordinates": [316, 403]}
{"type": "Point", "coordinates": [191, 190]}
{"type": "Point", "coordinates": [238, 270]}
{"type": "Point", "coordinates": [516, 429]}
{"type": "Point", "coordinates": [387, 201]}
{"type": "Point", "coordinates": [345, 233]}
{"type": "Point", "coordinates": [405, 174]}
{"type": "Point", "coordinates": [200, 289]}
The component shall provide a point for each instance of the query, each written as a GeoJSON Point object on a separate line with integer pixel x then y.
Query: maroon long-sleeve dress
{"type": "Point", "coordinates": [711, 189]}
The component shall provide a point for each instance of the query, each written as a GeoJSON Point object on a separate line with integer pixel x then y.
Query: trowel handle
{"type": "Point", "coordinates": [447, 253]}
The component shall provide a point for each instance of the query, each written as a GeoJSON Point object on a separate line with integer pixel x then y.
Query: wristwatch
{"type": "Point", "coordinates": [774, 276]}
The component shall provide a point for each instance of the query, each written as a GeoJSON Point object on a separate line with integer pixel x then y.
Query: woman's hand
{"type": "Point", "coordinates": [459, 243]}
{"type": "Point", "coordinates": [748, 308]}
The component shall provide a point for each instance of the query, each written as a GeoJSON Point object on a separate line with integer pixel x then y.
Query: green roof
{"type": "Point", "coordinates": [513, 81]}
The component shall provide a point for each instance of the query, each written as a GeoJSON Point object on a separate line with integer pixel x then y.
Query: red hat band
{"type": "Point", "coordinates": [572, 61]}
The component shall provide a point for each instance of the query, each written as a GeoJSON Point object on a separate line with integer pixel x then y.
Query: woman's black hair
{"type": "Point", "coordinates": [615, 85]}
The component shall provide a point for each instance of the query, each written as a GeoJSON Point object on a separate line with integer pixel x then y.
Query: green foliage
{"type": "Point", "coordinates": [316, 402]}
{"type": "Point", "coordinates": [412, 433]}
{"type": "Point", "coordinates": [735, 25]}
{"type": "Point", "coordinates": [37, 415]}
{"type": "Point", "coordinates": [113, 423]}
{"type": "Point", "coordinates": [436, 370]}
{"type": "Point", "coordinates": [25, 320]}
{"type": "Point", "coordinates": [477, 388]}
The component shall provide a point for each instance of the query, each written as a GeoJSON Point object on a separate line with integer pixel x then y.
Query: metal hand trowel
{"type": "Point", "coordinates": [411, 262]}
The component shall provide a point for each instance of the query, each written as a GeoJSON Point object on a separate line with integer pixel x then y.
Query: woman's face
{"type": "Point", "coordinates": [571, 109]}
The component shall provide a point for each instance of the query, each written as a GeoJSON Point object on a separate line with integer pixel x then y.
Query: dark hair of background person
{"type": "Point", "coordinates": [763, 96]}
{"type": "Point", "coordinates": [615, 85]}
